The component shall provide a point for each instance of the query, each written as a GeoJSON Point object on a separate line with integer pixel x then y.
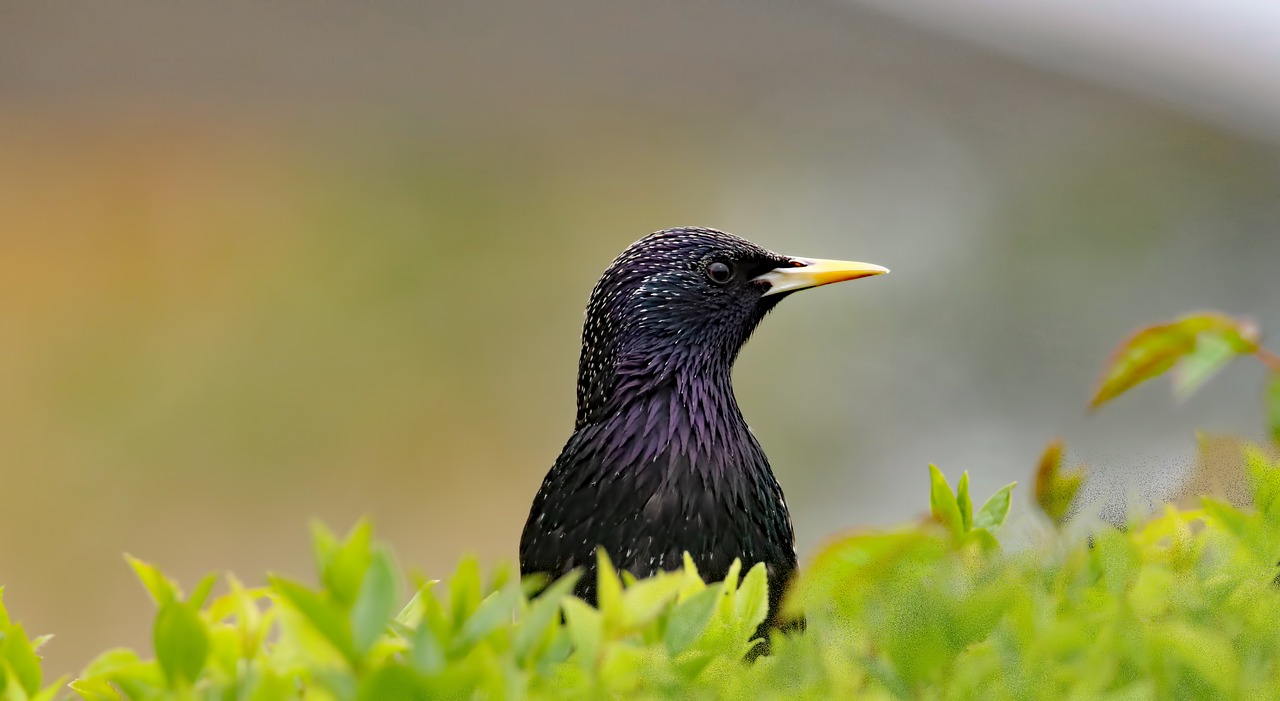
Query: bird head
{"type": "Point", "coordinates": [685, 300]}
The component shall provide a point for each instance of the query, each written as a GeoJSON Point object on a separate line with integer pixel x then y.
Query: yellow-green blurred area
{"type": "Point", "coordinates": [267, 263]}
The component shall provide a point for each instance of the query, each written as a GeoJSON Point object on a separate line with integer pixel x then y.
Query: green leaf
{"type": "Point", "coordinates": [541, 614]}
{"type": "Point", "coordinates": [942, 502]}
{"type": "Point", "coordinates": [269, 685]}
{"type": "Point", "coordinates": [586, 628]}
{"type": "Point", "coordinates": [498, 577]}
{"type": "Point", "coordinates": [322, 614]}
{"type": "Point", "coordinates": [1211, 354]}
{"type": "Point", "coordinates": [94, 689]}
{"type": "Point", "coordinates": [181, 641]}
{"type": "Point", "coordinates": [162, 589]}
{"type": "Point", "coordinates": [963, 501]}
{"type": "Point", "coordinates": [242, 604]}
{"type": "Point", "coordinates": [608, 589]}
{"type": "Point", "coordinates": [464, 591]}
{"type": "Point", "coordinates": [1055, 488]}
{"type": "Point", "coordinates": [1154, 350]}
{"type": "Point", "coordinates": [493, 611]}
{"type": "Point", "coordinates": [559, 646]}
{"type": "Point", "coordinates": [689, 620]}
{"type": "Point", "coordinates": [323, 545]}
{"type": "Point", "coordinates": [692, 580]}
{"type": "Point", "coordinates": [1230, 519]}
{"type": "Point", "coordinates": [411, 613]}
{"type": "Point", "coordinates": [119, 668]}
{"type": "Point", "coordinates": [439, 618]}
{"type": "Point", "coordinates": [375, 603]}
{"type": "Point", "coordinates": [729, 588]}
{"type": "Point", "coordinates": [993, 513]}
{"type": "Point", "coordinates": [648, 598]}
{"type": "Point", "coordinates": [1206, 652]}
{"type": "Point", "coordinates": [1152, 591]}
{"type": "Point", "coordinates": [983, 538]}
{"type": "Point", "coordinates": [751, 603]}
{"type": "Point", "coordinates": [1266, 483]}
{"type": "Point", "coordinates": [1273, 407]}
{"type": "Point", "coordinates": [19, 656]}
{"type": "Point", "coordinates": [532, 583]}
{"type": "Point", "coordinates": [51, 692]}
{"type": "Point", "coordinates": [4, 613]}
{"type": "Point", "coordinates": [1116, 558]}
{"type": "Point", "coordinates": [428, 654]}
{"type": "Point", "coordinates": [109, 664]}
{"type": "Point", "coordinates": [202, 591]}
{"type": "Point", "coordinates": [343, 573]}
{"type": "Point", "coordinates": [393, 683]}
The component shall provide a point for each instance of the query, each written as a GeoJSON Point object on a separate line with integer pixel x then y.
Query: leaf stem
{"type": "Point", "coordinates": [1269, 358]}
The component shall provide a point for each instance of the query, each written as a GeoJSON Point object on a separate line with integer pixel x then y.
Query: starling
{"type": "Point", "coordinates": [661, 461]}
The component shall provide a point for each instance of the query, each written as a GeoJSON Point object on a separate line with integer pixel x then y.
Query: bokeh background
{"type": "Point", "coordinates": [268, 262]}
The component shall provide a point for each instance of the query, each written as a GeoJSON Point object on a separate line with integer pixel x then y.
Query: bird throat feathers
{"type": "Point", "coordinates": [690, 424]}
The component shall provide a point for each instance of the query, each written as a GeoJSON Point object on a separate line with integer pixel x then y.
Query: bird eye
{"type": "Point", "coordinates": [720, 273]}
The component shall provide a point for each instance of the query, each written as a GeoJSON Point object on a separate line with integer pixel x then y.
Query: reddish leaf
{"type": "Point", "coordinates": [1055, 488]}
{"type": "Point", "coordinates": [1152, 351]}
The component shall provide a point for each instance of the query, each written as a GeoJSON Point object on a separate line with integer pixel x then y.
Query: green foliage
{"type": "Point", "coordinates": [351, 638]}
{"type": "Point", "coordinates": [20, 673]}
{"type": "Point", "coordinates": [954, 510]}
{"type": "Point", "coordinates": [1182, 605]}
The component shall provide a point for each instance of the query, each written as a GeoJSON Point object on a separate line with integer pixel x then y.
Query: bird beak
{"type": "Point", "coordinates": [812, 272]}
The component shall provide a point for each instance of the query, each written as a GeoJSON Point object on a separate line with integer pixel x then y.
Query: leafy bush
{"type": "Point", "coordinates": [1182, 605]}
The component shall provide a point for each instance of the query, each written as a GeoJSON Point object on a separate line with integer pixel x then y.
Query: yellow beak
{"type": "Point", "coordinates": [812, 272]}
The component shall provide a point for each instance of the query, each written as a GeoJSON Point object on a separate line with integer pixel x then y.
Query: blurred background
{"type": "Point", "coordinates": [262, 263]}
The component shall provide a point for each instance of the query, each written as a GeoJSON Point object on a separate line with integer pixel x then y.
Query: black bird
{"type": "Point", "coordinates": [661, 461]}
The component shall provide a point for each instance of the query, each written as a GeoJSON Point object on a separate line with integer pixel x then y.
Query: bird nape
{"type": "Point", "coordinates": [661, 461]}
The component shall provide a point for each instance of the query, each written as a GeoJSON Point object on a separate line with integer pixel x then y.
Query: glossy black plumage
{"type": "Point", "coordinates": [661, 460]}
